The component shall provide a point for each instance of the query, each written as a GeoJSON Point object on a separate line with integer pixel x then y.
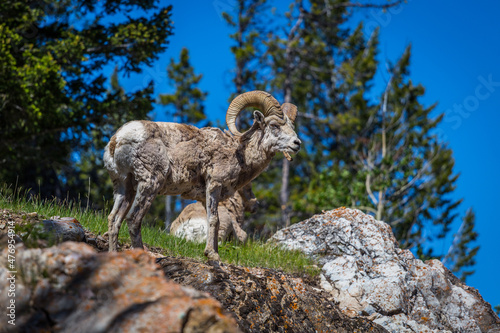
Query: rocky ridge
{"type": "Point", "coordinates": [367, 284]}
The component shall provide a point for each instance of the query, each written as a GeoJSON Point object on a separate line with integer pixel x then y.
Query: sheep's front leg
{"type": "Point", "coordinates": [212, 203]}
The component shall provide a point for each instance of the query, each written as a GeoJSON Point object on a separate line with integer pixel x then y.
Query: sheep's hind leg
{"type": "Point", "coordinates": [146, 192]}
{"type": "Point", "coordinates": [212, 247]}
{"type": "Point", "coordinates": [118, 197]}
{"type": "Point", "coordinates": [115, 221]}
{"type": "Point", "coordinates": [238, 232]}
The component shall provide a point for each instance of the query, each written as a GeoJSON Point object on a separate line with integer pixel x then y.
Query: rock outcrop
{"type": "Point", "coordinates": [265, 300]}
{"type": "Point", "coordinates": [62, 229]}
{"type": "Point", "coordinates": [71, 288]}
{"type": "Point", "coordinates": [369, 275]}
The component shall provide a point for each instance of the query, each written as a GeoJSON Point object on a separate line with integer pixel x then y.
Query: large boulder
{"type": "Point", "coordinates": [70, 288]}
{"type": "Point", "coordinates": [61, 229]}
{"type": "Point", "coordinates": [369, 275]}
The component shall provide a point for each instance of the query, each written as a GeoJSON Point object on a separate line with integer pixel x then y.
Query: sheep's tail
{"type": "Point", "coordinates": [111, 146]}
{"type": "Point", "coordinates": [109, 155]}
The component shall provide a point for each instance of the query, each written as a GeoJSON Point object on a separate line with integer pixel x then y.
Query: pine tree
{"type": "Point", "coordinates": [53, 89]}
{"type": "Point", "coordinates": [304, 65]}
{"type": "Point", "coordinates": [185, 105]}
{"type": "Point", "coordinates": [398, 170]}
{"type": "Point", "coordinates": [460, 255]}
{"type": "Point", "coordinates": [408, 172]}
{"type": "Point", "coordinates": [380, 157]}
{"type": "Point", "coordinates": [300, 61]}
{"type": "Point", "coordinates": [250, 23]}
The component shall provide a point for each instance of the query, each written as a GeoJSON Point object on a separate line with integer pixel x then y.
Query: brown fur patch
{"type": "Point", "coordinates": [151, 128]}
{"type": "Point", "coordinates": [112, 145]}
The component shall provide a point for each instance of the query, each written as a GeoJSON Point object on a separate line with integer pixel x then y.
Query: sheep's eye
{"type": "Point", "coordinates": [275, 126]}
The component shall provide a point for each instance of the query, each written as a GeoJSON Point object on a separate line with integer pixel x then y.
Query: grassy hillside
{"type": "Point", "coordinates": [251, 254]}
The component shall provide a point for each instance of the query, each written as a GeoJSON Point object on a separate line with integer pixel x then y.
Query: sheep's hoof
{"type": "Point", "coordinates": [212, 255]}
{"type": "Point", "coordinates": [214, 263]}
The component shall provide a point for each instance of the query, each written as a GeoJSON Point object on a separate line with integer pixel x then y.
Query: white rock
{"type": "Point", "coordinates": [369, 275]}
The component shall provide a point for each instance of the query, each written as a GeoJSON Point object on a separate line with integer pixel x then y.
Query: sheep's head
{"type": "Point", "coordinates": [275, 121]}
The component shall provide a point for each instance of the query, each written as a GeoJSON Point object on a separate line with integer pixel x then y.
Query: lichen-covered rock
{"type": "Point", "coordinates": [62, 229]}
{"type": "Point", "coordinates": [70, 288]}
{"type": "Point", "coordinates": [369, 275]}
{"type": "Point", "coordinates": [264, 300]}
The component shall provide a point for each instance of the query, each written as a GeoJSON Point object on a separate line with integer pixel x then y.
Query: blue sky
{"type": "Point", "coordinates": [455, 56]}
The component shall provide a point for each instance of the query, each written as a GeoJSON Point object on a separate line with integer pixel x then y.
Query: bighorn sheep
{"type": "Point", "coordinates": [192, 223]}
{"type": "Point", "coordinates": [147, 158]}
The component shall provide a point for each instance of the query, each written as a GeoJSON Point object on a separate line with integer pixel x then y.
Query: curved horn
{"type": "Point", "coordinates": [262, 100]}
{"type": "Point", "coordinates": [290, 110]}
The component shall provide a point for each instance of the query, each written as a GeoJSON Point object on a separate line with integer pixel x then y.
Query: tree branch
{"type": "Point", "coordinates": [368, 5]}
{"type": "Point", "coordinates": [414, 179]}
{"type": "Point", "coordinates": [369, 189]}
{"type": "Point", "coordinates": [107, 48]}
{"type": "Point", "coordinates": [311, 116]}
{"type": "Point", "coordinates": [370, 209]}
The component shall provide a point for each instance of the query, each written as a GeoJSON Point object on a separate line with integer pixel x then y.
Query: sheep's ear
{"type": "Point", "coordinates": [258, 116]}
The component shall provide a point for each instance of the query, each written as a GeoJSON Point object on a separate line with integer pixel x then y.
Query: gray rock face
{"type": "Point", "coordinates": [366, 272]}
{"type": "Point", "coordinates": [62, 229]}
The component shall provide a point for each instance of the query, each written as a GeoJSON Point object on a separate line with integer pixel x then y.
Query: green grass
{"type": "Point", "coordinates": [253, 253]}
